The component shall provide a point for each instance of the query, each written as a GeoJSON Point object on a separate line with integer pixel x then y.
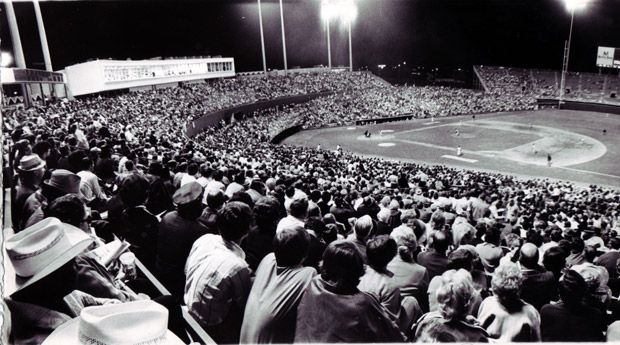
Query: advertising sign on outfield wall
{"type": "Point", "coordinates": [608, 57]}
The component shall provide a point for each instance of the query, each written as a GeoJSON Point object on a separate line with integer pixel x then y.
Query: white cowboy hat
{"type": "Point", "coordinates": [42, 248]}
{"type": "Point", "coordinates": [139, 322]}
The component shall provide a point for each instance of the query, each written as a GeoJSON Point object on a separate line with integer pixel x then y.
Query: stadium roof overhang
{"type": "Point", "coordinates": [28, 75]}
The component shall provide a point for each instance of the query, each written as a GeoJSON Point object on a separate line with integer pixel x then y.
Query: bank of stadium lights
{"type": "Point", "coordinates": [6, 59]}
{"type": "Point", "coordinates": [575, 5]}
{"type": "Point", "coordinates": [571, 6]}
{"type": "Point", "coordinates": [346, 12]}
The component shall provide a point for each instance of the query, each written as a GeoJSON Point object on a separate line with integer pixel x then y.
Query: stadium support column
{"type": "Point", "coordinates": [283, 37]}
{"type": "Point", "coordinates": [43, 36]}
{"type": "Point", "coordinates": [18, 53]}
{"type": "Point", "coordinates": [262, 37]}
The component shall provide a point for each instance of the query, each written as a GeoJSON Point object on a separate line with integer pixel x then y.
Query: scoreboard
{"type": "Point", "coordinates": [608, 57]}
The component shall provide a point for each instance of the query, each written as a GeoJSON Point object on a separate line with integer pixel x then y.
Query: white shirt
{"type": "Point", "coordinates": [187, 178]}
{"type": "Point", "coordinates": [289, 221]}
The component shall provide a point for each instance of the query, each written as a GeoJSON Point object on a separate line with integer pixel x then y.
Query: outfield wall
{"type": "Point", "coordinates": [196, 126]}
{"type": "Point", "coordinates": [579, 105]}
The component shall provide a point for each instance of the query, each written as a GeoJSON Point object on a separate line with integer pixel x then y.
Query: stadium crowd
{"type": "Point", "coordinates": [274, 243]}
{"type": "Point", "coordinates": [533, 83]}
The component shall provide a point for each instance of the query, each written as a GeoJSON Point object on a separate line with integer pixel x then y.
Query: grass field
{"type": "Point", "coordinates": [516, 143]}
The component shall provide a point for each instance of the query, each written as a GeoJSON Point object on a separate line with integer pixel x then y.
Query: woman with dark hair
{"type": "Point", "coordinates": [334, 310]}
{"type": "Point", "coordinates": [571, 319]}
{"type": "Point", "coordinates": [378, 281]}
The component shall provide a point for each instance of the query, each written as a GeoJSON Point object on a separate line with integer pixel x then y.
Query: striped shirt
{"type": "Point", "coordinates": [217, 278]}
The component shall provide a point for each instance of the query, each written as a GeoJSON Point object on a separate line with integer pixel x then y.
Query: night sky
{"type": "Point", "coordinates": [443, 33]}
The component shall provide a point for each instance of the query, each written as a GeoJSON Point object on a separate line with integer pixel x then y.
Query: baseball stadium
{"type": "Point", "coordinates": [310, 171]}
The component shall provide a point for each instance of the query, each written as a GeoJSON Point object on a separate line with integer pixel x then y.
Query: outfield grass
{"type": "Point", "coordinates": [512, 142]}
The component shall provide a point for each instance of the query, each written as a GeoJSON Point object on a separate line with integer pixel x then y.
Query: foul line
{"type": "Point", "coordinates": [460, 158]}
{"type": "Point", "coordinates": [587, 172]}
{"type": "Point", "coordinates": [447, 148]}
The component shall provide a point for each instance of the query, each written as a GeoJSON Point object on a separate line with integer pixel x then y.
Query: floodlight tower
{"type": "Point", "coordinates": [262, 37]}
{"type": "Point", "coordinates": [349, 13]}
{"type": "Point", "coordinates": [18, 53]}
{"type": "Point", "coordinates": [327, 12]}
{"type": "Point", "coordinates": [43, 36]}
{"type": "Point", "coordinates": [283, 37]}
{"type": "Point", "coordinates": [571, 6]}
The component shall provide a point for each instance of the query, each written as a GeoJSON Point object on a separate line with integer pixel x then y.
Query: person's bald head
{"type": "Point", "coordinates": [215, 199]}
{"type": "Point", "coordinates": [529, 255]}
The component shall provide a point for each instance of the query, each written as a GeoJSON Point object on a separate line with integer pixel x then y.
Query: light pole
{"type": "Point", "coordinates": [18, 53]}
{"type": "Point", "coordinates": [327, 12]}
{"type": "Point", "coordinates": [262, 37]}
{"type": "Point", "coordinates": [571, 5]}
{"type": "Point", "coordinates": [42, 36]}
{"type": "Point", "coordinates": [349, 13]}
{"type": "Point", "coordinates": [283, 37]}
{"type": "Point", "coordinates": [350, 49]}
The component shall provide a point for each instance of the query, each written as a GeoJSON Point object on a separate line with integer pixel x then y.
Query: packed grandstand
{"type": "Point", "coordinates": [262, 242]}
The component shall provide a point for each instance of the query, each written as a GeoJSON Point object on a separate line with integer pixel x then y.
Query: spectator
{"type": "Point", "coordinates": [139, 226]}
{"type": "Point", "coordinates": [271, 310]}
{"type": "Point", "coordinates": [177, 232]}
{"type": "Point", "coordinates": [378, 281]}
{"type": "Point", "coordinates": [490, 252]}
{"type": "Point", "coordinates": [505, 316]}
{"type": "Point", "coordinates": [297, 213]}
{"type": "Point", "coordinates": [435, 260]}
{"type": "Point", "coordinates": [89, 186]}
{"type": "Point", "coordinates": [363, 231]}
{"type": "Point", "coordinates": [407, 273]}
{"type": "Point", "coordinates": [215, 202]}
{"type": "Point", "coordinates": [609, 259]}
{"type": "Point", "coordinates": [218, 278]}
{"type": "Point", "coordinates": [572, 320]}
{"type": "Point", "coordinates": [333, 309]}
{"type": "Point", "coordinates": [30, 169]}
{"type": "Point", "coordinates": [454, 296]}
{"type": "Point", "coordinates": [259, 241]}
{"type": "Point", "coordinates": [539, 286]}
{"type": "Point", "coordinates": [61, 182]}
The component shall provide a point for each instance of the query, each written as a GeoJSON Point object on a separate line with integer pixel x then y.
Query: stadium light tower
{"type": "Point", "coordinates": [14, 29]}
{"type": "Point", "coordinates": [43, 36]}
{"type": "Point", "coordinates": [283, 37]}
{"type": "Point", "coordinates": [5, 59]}
{"type": "Point", "coordinates": [349, 13]}
{"type": "Point", "coordinates": [328, 11]}
{"type": "Point", "coordinates": [262, 36]}
{"type": "Point", "coordinates": [346, 12]}
{"type": "Point", "coordinates": [571, 6]}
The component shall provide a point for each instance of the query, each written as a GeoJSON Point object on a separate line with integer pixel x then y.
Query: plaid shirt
{"type": "Point", "coordinates": [217, 278]}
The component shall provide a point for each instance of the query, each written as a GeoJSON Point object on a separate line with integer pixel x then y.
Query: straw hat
{"type": "Point", "coordinates": [41, 249]}
{"type": "Point", "coordinates": [139, 322]}
{"type": "Point", "coordinates": [30, 163]}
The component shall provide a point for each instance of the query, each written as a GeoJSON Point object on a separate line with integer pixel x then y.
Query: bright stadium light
{"type": "Point", "coordinates": [571, 6]}
{"type": "Point", "coordinates": [6, 59]}
{"type": "Point", "coordinates": [328, 10]}
{"type": "Point", "coordinates": [575, 5]}
{"type": "Point", "coordinates": [348, 11]}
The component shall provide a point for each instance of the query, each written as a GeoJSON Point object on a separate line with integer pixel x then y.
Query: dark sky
{"type": "Point", "coordinates": [522, 33]}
